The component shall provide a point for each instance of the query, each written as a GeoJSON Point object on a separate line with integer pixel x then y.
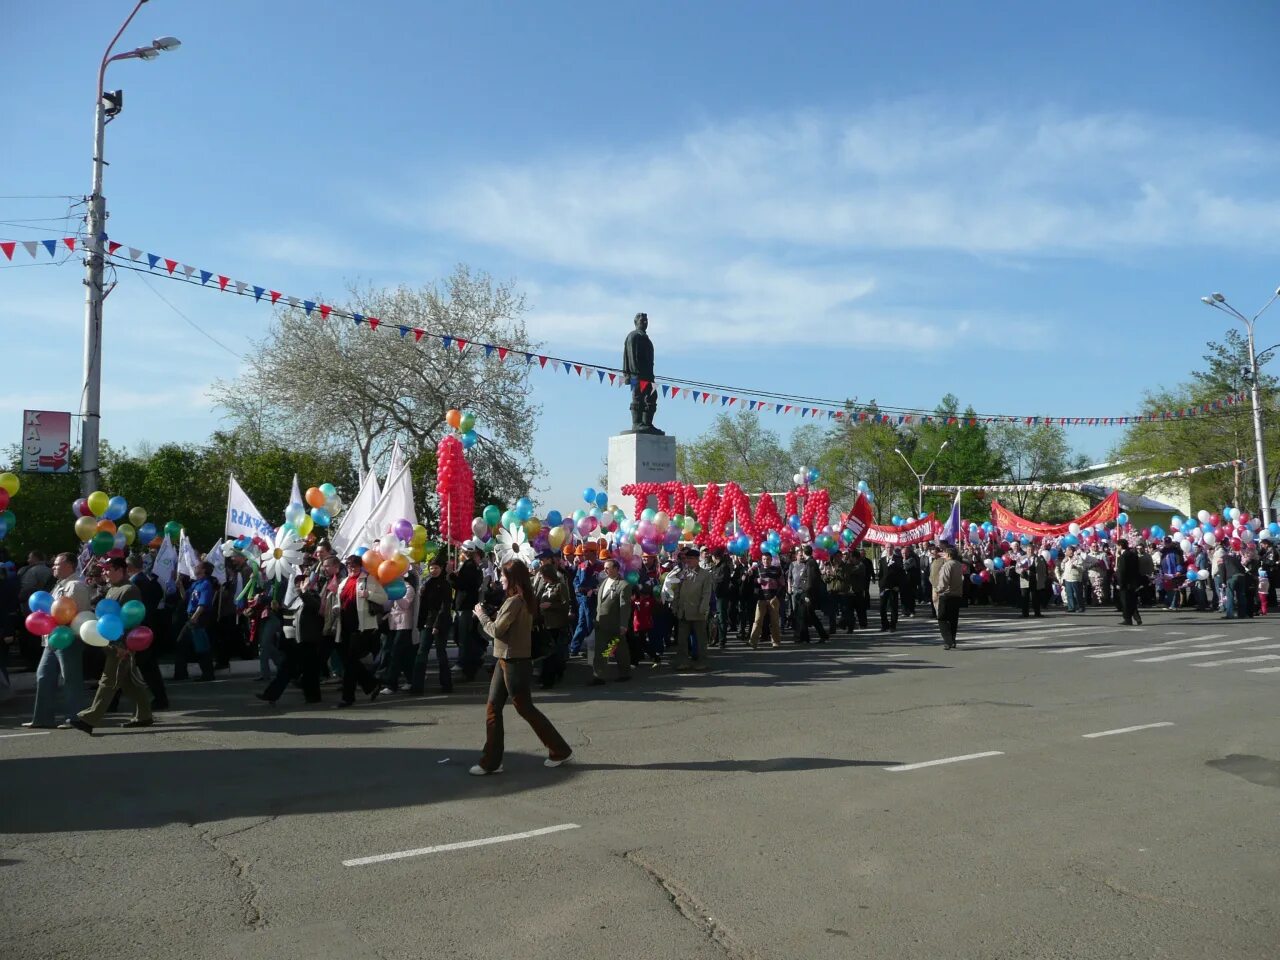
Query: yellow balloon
{"type": "Point", "coordinates": [419, 533]}
{"type": "Point", "coordinates": [137, 516]}
{"type": "Point", "coordinates": [98, 503]}
{"type": "Point", "coordinates": [417, 553]}
{"type": "Point", "coordinates": [86, 527]}
{"type": "Point", "coordinates": [532, 526]}
{"type": "Point", "coordinates": [555, 537]}
{"type": "Point", "coordinates": [9, 483]}
{"type": "Point", "coordinates": [130, 534]}
{"type": "Point", "coordinates": [305, 526]}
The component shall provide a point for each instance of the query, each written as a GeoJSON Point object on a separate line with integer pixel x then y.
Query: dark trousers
{"type": "Point", "coordinates": [438, 640]}
{"type": "Point", "coordinates": [806, 617]}
{"type": "Point", "coordinates": [1030, 601]}
{"type": "Point", "coordinates": [397, 658]}
{"type": "Point", "coordinates": [861, 603]}
{"type": "Point", "coordinates": [909, 598]}
{"type": "Point", "coordinates": [949, 619]}
{"type": "Point", "coordinates": [301, 661]}
{"type": "Point", "coordinates": [1129, 605]}
{"type": "Point", "coordinates": [512, 679]}
{"type": "Point", "coordinates": [1244, 596]}
{"type": "Point", "coordinates": [353, 669]}
{"type": "Point", "coordinates": [889, 609]}
{"type": "Point", "coordinates": [470, 644]}
{"type": "Point", "coordinates": [193, 644]}
{"type": "Point", "coordinates": [556, 662]}
{"type": "Point", "coordinates": [149, 669]}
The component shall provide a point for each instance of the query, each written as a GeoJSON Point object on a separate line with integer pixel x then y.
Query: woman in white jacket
{"type": "Point", "coordinates": [361, 601]}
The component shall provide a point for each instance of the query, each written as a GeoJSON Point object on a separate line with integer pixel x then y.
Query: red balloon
{"type": "Point", "coordinates": [139, 638]}
{"type": "Point", "coordinates": [41, 624]}
{"type": "Point", "coordinates": [4, 498]}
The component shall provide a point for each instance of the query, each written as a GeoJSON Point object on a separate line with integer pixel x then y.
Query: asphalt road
{"type": "Point", "coordinates": [754, 812]}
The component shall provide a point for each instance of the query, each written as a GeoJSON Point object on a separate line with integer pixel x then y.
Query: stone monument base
{"type": "Point", "coordinates": [639, 458]}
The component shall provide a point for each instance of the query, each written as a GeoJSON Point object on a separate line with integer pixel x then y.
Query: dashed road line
{"type": "Point", "coordinates": [33, 733]}
{"type": "Point", "coordinates": [461, 845]}
{"type": "Point", "coordinates": [1112, 733]}
{"type": "Point", "coordinates": [1220, 663]}
{"type": "Point", "coordinates": [902, 767]}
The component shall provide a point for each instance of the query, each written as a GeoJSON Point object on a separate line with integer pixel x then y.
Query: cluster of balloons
{"type": "Point", "coordinates": [9, 486]}
{"type": "Point", "coordinates": [110, 527]}
{"type": "Point", "coordinates": [1234, 527]}
{"type": "Point", "coordinates": [465, 424]}
{"type": "Point", "coordinates": [864, 488]}
{"type": "Point", "coordinates": [404, 542]}
{"type": "Point", "coordinates": [325, 504]}
{"type": "Point", "coordinates": [805, 476]}
{"type": "Point", "coordinates": [109, 622]}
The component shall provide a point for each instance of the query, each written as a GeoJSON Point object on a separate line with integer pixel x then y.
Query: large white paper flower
{"type": "Point", "coordinates": [282, 557]}
{"type": "Point", "coordinates": [514, 545]}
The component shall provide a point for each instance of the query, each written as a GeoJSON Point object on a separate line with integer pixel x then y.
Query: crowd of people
{"type": "Point", "coordinates": [332, 622]}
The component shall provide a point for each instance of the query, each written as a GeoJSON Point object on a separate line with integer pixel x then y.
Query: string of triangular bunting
{"type": "Point", "coordinates": [167, 266]}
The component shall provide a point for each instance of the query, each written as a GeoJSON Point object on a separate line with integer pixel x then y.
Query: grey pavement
{"type": "Point", "coordinates": [777, 807]}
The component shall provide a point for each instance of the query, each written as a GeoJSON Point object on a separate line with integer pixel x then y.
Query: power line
{"type": "Point", "coordinates": [191, 323]}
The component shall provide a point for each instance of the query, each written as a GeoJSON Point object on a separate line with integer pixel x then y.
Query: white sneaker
{"type": "Point", "coordinates": [479, 771]}
{"type": "Point", "coordinates": [556, 763]}
{"type": "Point", "coordinates": [385, 692]}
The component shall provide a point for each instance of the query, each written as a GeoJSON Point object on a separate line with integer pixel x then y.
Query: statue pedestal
{"type": "Point", "coordinates": [639, 458]}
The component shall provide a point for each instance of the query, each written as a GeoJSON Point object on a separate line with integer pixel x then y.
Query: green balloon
{"type": "Point", "coordinates": [173, 528]}
{"type": "Point", "coordinates": [467, 422]}
{"type": "Point", "coordinates": [492, 515]}
{"type": "Point", "coordinates": [62, 637]}
{"type": "Point", "coordinates": [134, 612]}
{"type": "Point", "coordinates": [9, 517]}
{"type": "Point", "coordinates": [101, 543]}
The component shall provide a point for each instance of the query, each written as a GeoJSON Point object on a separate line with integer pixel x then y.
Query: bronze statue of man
{"type": "Point", "coordinates": [637, 366]}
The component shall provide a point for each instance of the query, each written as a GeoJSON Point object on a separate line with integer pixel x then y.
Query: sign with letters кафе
{"type": "Point", "coordinates": [46, 441]}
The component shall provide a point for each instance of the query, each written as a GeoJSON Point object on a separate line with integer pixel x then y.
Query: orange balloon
{"type": "Point", "coordinates": [106, 526]}
{"type": "Point", "coordinates": [372, 559]}
{"type": "Point", "coordinates": [453, 418]}
{"type": "Point", "coordinates": [388, 570]}
{"type": "Point", "coordinates": [316, 497]}
{"type": "Point", "coordinates": [64, 610]}
{"type": "Point", "coordinates": [155, 543]}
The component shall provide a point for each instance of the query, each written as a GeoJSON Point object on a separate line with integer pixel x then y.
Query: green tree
{"type": "Point", "coordinates": [1228, 434]}
{"type": "Point", "coordinates": [738, 448]}
{"type": "Point", "coordinates": [1036, 453]}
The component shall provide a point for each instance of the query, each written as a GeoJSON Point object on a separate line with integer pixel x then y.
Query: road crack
{"type": "Point", "coordinates": [693, 910]}
{"type": "Point", "coordinates": [250, 889]}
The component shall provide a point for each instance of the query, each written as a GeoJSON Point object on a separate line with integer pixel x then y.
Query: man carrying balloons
{"type": "Point", "coordinates": [63, 652]}
{"type": "Point", "coordinates": [120, 611]}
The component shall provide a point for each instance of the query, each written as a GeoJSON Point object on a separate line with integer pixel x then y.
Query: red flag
{"type": "Point", "coordinates": [732, 401]}
{"type": "Point", "coordinates": [462, 344]}
{"type": "Point", "coordinates": [325, 310]}
{"type": "Point", "coordinates": [373, 323]}
{"type": "Point", "coordinates": [275, 295]}
{"type": "Point", "coordinates": [613, 378]}
{"type": "Point", "coordinates": [222, 282]}
{"type": "Point", "coordinates": [644, 385]}
{"type": "Point", "coordinates": [417, 334]}
{"type": "Point", "coordinates": [675, 392]}
{"type": "Point", "coordinates": [578, 367]}
{"type": "Point", "coordinates": [170, 265]}
{"type": "Point", "coordinates": [542, 362]}
{"type": "Point", "coordinates": [859, 519]}
{"type": "Point", "coordinates": [502, 353]}
{"type": "Point", "coordinates": [70, 242]}
{"type": "Point", "coordinates": [8, 247]}
{"type": "Point", "coordinates": [112, 246]}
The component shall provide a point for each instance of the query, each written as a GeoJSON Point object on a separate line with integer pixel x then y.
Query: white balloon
{"type": "Point", "coordinates": [1074, 529]}
{"type": "Point", "coordinates": [1210, 540]}
{"type": "Point", "coordinates": [90, 635]}
{"type": "Point", "coordinates": [1203, 516]}
{"type": "Point", "coordinates": [83, 617]}
{"type": "Point", "coordinates": [798, 479]}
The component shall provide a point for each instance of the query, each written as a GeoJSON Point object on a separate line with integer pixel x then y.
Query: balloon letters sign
{"type": "Point", "coordinates": [46, 441]}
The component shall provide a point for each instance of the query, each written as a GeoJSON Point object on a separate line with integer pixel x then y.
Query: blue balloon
{"type": "Point", "coordinates": [111, 627]}
{"type": "Point", "coordinates": [554, 519]}
{"type": "Point", "coordinates": [470, 439]}
{"type": "Point", "coordinates": [320, 516]}
{"type": "Point", "coordinates": [396, 590]}
{"type": "Point", "coordinates": [998, 564]}
{"type": "Point", "coordinates": [524, 508]}
{"type": "Point", "coordinates": [41, 602]}
{"type": "Point", "coordinates": [1274, 528]}
{"type": "Point", "coordinates": [863, 486]}
{"type": "Point", "coordinates": [602, 499]}
{"type": "Point", "coordinates": [147, 532]}
{"type": "Point", "coordinates": [896, 520]}
{"type": "Point", "coordinates": [589, 495]}
{"type": "Point", "coordinates": [1024, 540]}
{"type": "Point", "coordinates": [107, 608]}
{"type": "Point", "coordinates": [793, 522]}
{"type": "Point", "coordinates": [117, 507]}
{"type": "Point", "coordinates": [1122, 519]}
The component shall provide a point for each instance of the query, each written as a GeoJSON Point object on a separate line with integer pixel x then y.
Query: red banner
{"type": "Point", "coordinates": [918, 531]}
{"type": "Point", "coordinates": [859, 519]}
{"type": "Point", "coordinates": [1010, 522]}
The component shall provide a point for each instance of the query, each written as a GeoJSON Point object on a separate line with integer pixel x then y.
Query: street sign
{"type": "Point", "coordinates": [46, 441]}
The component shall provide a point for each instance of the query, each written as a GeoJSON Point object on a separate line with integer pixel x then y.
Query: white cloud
{"type": "Point", "coordinates": [739, 229]}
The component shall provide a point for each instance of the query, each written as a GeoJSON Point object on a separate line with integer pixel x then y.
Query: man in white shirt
{"type": "Point", "coordinates": [65, 664]}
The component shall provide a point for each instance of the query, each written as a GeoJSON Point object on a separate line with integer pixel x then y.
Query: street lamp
{"type": "Point", "coordinates": [107, 108]}
{"type": "Point", "coordinates": [1219, 302]}
{"type": "Point", "coordinates": [920, 476]}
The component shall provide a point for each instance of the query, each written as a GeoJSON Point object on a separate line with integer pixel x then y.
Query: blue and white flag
{"type": "Point", "coordinates": [243, 518]}
{"type": "Point", "coordinates": [951, 529]}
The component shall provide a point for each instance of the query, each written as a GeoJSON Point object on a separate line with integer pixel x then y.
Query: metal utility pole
{"type": "Point", "coordinates": [107, 107]}
{"type": "Point", "coordinates": [920, 477]}
{"type": "Point", "coordinates": [1219, 302]}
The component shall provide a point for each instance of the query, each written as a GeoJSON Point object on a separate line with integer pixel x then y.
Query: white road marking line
{"type": "Point", "coordinates": [1233, 643]}
{"type": "Point", "coordinates": [1092, 646]}
{"type": "Point", "coordinates": [1143, 726]}
{"type": "Point", "coordinates": [1125, 653]}
{"type": "Point", "coordinates": [1175, 656]}
{"type": "Point", "coordinates": [1266, 670]}
{"type": "Point", "coordinates": [1219, 663]}
{"type": "Point", "coordinates": [34, 733]}
{"type": "Point", "coordinates": [933, 763]}
{"type": "Point", "coordinates": [1207, 636]}
{"type": "Point", "coordinates": [1176, 633]}
{"type": "Point", "coordinates": [461, 845]}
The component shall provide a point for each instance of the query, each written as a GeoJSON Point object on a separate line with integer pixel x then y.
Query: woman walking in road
{"type": "Point", "coordinates": [512, 631]}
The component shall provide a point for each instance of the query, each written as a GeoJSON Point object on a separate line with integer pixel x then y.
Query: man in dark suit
{"type": "Point", "coordinates": [1128, 580]}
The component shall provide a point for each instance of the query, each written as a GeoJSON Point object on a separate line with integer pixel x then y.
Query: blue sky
{"type": "Point", "coordinates": [889, 201]}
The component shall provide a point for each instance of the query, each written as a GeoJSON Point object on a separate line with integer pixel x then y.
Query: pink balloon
{"type": "Point", "coordinates": [139, 638]}
{"type": "Point", "coordinates": [41, 624]}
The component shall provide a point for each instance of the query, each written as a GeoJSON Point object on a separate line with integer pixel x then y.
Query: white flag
{"type": "Point", "coordinates": [397, 461]}
{"type": "Point", "coordinates": [188, 559]}
{"type": "Point", "coordinates": [350, 528]}
{"type": "Point", "coordinates": [219, 562]}
{"type": "Point", "coordinates": [295, 495]}
{"type": "Point", "coordinates": [166, 565]}
{"type": "Point", "coordinates": [396, 503]}
{"type": "Point", "coordinates": [243, 518]}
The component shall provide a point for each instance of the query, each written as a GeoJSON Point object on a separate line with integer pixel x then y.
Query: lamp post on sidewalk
{"type": "Point", "coordinates": [920, 477]}
{"type": "Point", "coordinates": [108, 106]}
{"type": "Point", "coordinates": [1219, 302]}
